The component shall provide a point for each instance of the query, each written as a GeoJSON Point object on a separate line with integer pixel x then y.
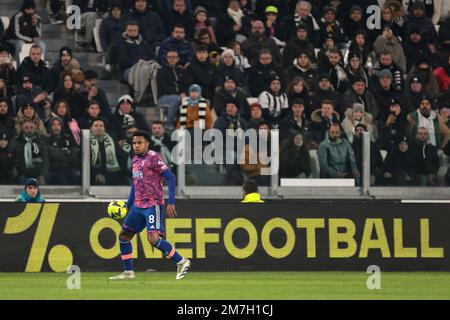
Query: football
{"type": "Point", "coordinates": [117, 209]}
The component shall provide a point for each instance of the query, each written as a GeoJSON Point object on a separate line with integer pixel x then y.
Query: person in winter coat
{"type": "Point", "coordinates": [34, 66]}
{"type": "Point", "coordinates": [301, 67]}
{"type": "Point", "coordinates": [424, 71]}
{"type": "Point", "coordinates": [427, 159]}
{"type": "Point", "coordinates": [322, 119]}
{"type": "Point", "coordinates": [177, 41]}
{"type": "Point", "coordinates": [418, 17]}
{"type": "Point", "coordinates": [274, 102]}
{"type": "Point", "coordinates": [359, 94]}
{"type": "Point", "coordinates": [8, 172]}
{"type": "Point", "coordinates": [228, 69]}
{"type": "Point", "coordinates": [389, 42]}
{"type": "Point", "coordinates": [298, 43]}
{"type": "Point", "coordinates": [324, 91]}
{"type": "Point", "coordinates": [400, 164]}
{"type": "Point", "coordinates": [414, 46]}
{"type": "Point", "coordinates": [230, 92]}
{"type": "Point", "coordinates": [443, 76]}
{"type": "Point", "coordinates": [354, 117]}
{"type": "Point", "coordinates": [7, 122]}
{"type": "Point", "coordinates": [336, 157]}
{"type": "Point", "coordinates": [126, 115]}
{"type": "Point", "coordinates": [334, 67]}
{"type": "Point", "coordinates": [331, 27]}
{"type": "Point", "coordinates": [195, 111]}
{"type": "Point", "coordinates": [296, 123]}
{"type": "Point", "coordinates": [28, 112]}
{"type": "Point", "coordinates": [392, 126]}
{"type": "Point", "coordinates": [64, 155]}
{"type": "Point", "coordinates": [69, 124]}
{"type": "Point", "coordinates": [150, 24]}
{"type": "Point", "coordinates": [31, 192]}
{"type": "Point", "coordinates": [294, 158]}
{"type": "Point", "coordinates": [261, 73]}
{"type": "Point", "coordinates": [202, 72]}
{"type": "Point", "coordinates": [66, 62]}
{"type": "Point", "coordinates": [67, 90]}
{"type": "Point", "coordinates": [25, 27]}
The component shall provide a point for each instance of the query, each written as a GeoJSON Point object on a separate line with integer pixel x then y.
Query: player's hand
{"type": "Point", "coordinates": [171, 212]}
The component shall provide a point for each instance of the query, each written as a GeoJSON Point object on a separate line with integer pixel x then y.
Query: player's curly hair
{"type": "Point", "coordinates": [143, 134]}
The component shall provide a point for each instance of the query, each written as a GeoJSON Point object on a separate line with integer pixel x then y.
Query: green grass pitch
{"type": "Point", "coordinates": [232, 285]}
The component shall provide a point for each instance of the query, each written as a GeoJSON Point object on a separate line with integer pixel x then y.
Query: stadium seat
{"type": "Point", "coordinates": [25, 52]}
{"type": "Point", "coordinates": [98, 43]}
{"type": "Point", "coordinates": [383, 154]}
{"type": "Point", "coordinates": [5, 21]}
{"type": "Point", "coordinates": [315, 166]}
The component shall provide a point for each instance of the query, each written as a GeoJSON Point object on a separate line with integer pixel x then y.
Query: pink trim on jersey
{"type": "Point", "coordinates": [172, 252]}
{"type": "Point", "coordinates": [127, 256]}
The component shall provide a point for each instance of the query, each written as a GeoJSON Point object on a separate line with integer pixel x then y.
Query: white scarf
{"type": "Point", "coordinates": [112, 165]}
{"type": "Point", "coordinates": [236, 16]}
{"type": "Point", "coordinates": [429, 124]}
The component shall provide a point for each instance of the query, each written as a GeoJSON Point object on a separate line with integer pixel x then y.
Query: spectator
{"type": "Point", "coordinates": [241, 61]}
{"type": "Point", "coordinates": [250, 192]}
{"type": "Point", "coordinates": [400, 165]}
{"type": "Point", "coordinates": [385, 62]}
{"type": "Point", "coordinates": [385, 93]}
{"type": "Point", "coordinates": [274, 102]}
{"type": "Point", "coordinates": [387, 42]}
{"type": "Point", "coordinates": [301, 67]}
{"type": "Point", "coordinates": [256, 116]}
{"type": "Point", "coordinates": [376, 160]}
{"type": "Point", "coordinates": [299, 89]}
{"type": "Point", "coordinates": [93, 93]}
{"type": "Point", "coordinates": [111, 30]}
{"type": "Point", "coordinates": [334, 67]}
{"type": "Point", "coordinates": [355, 68]}
{"type": "Point", "coordinates": [195, 111]}
{"type": "Point", "coordinates": [230, 92]}
{"type": "Point", "coordinates": [443, 76]}
{"type": "Point", "coordinates": [273, 29]}
{"type": "Point", "coordinates": [26, 113]}
{"type": "Point", "coordinates": [296, 123]}
{"type": "Point", "coordinates": [418, 17]}
{"type": "Point", "coordinates": [427, 159]}
{"type": "Point", "coordinates": [204, 38]}
{"type": "Point", "coordinates": [230, 119]}
{"type": "Point", "coordinates": [162, 143]}
{"type": "Point", "coordinates": [8, 172]}
{"type": "Point", "coordinates": [228, 69]}
{"type": "Point", "coordinates": [322, 119]}
{"type": "Point", "coordinates": [336, 157]}
{"type": "Point", "coordinates": [231, 24]}
{"type": "Point", "coordinates": [355, 116]}
{"type": "Point", "coordinates": [66, 62]}
{"type": "Point", "coordinates": [88, 16]}
{"type": "Point", "coordinates": [354, 21]}
{"type": "Point", "coordinates": [2, 31]}
{"type": "Point", "coordinates": [294, 158]}
{"type": "Point", "coordinates": [177, 41]}
{"type": "Point", "coordinates": [426, 117]}
{"type": "Point", "coordinates": [423, 69]}
{"type": "Point", "coordinates": [324, 91]}
{"type": "Point", "coordinates": [7, 122]}
{"type": "Point", "coordinates": [108, 160]}
{"type": "Point", "coordinates": [70, 125]}
{"type": "Point", "coordinates": [214, 7]}
{"type": "Point", "coordinates": [391, 19]}
{"type": "Point", "coordinates": [302, 15]}
{"type": "Point", "coordinates": [392, 126]}
{"type": "Point", "coordinates": [359, 94]}
{"type": "Point", "coordinates": [27, 93]}
{"type": "Point", "coordinates": [262, 72]}
{"type": "Point", "coordinates": [30, 153]}
{"type": "Point", "coordinates": [135, 59]}
{"type": "Point", "coordinates": [260, 153]}
{"type": "Point", "coordinates": [126, 115]}
{"type": "Point", "coordinates": [168, 79]}
{"type": "Point", "coordinates": [413, 93]}
{"type": "Point", "coordinates": [5, 95]}
{"type": "Point", "coordinates": [415, 47]}
{"type": "Point", "coordinates": [34, 66]}
{"type": "Point", "coordinates": [93, 112]}
{"type": "Point", "coordinates": [361, 46]}
{"type": "Point", "coordinates": [149, 23]}
{"type": "Point", "coordinates": [25, 27]}
{"type": "Point", "coordinates": [331, 27]}
{"type": "Point", "coordinates": [203, 73]}
{"type": "Point", "coordinates": [64, 155]}
{"type": "Point", "coordinates": [180, 14]}
{"type": "Point", "coordinates": [201, 21]}
{"type": "Point", "coordinates": [258, 41]}
{"type": "Point", "coordinates": [31, 193]}
{"type": "Point", "coordinates": [7, 69]}
{"type": "Point", "coordinates": [67, 90]}
{"type": "Point", "coordinates": [444, 112]}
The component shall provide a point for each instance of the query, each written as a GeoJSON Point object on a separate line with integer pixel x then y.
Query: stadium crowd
{"type": "Point", "coordinates": [315, 71]}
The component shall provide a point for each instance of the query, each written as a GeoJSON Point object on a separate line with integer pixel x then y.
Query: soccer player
{"type": "Point", "coordinates": [146, 207]}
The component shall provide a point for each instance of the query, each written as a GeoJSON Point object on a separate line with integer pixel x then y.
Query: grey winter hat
{"type": "Point", "coordinates": [358, 107]}
{"type": "Point", "coordinates": [385, 73]}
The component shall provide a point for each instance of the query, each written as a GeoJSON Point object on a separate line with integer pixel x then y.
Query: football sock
{"type": "Point", "coordinates": [126, 250]}
{"type": "Point", "coordinates": [168, 250]}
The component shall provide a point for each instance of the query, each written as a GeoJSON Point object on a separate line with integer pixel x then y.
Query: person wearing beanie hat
{"type": "Point", "coordinates": [25, 27]}
{"type": "Point", "coordinates": [28, 93]}
{"type": "Point", "coordinates": [296, 122]}
{"type": "Point", "coordinates": [425, 116]}
{"type": "Point", "coordinates": [27, 112]}
{"type": "Point", "coordinates": [354, 116]}
{"type": "Point", "coordinates": [125, 114]}
{"type": "Point", "coordinates": [354, 21]}
{"type": "Point", "coordinates": [231, 91]}
{"type": "Point", "coordinates": [414, 46]}
{"type": "Point", "coordinates": [358, 93]}
{"type": "Point", "coordinates": [274, 102]}
{"type": "Point", "coordinates": [355, 68]}
{"type": "Point", "coordinates": [301, 67]}
{"type": "Point", "coordinates": [201, 21]}
{"type": "Point", "coordinates": [273, 29]}
{"type": "Point", "coordinates": [330, 26]}
{"type": "Point", "coordinates": [63, 154]}
{"type": "Point", "coordinates": [31, 192]}
{"type": "Point", "coordinates": [392, 124]}
{"type": "Point", "coordinates": [8, 172]}
{"type": "Point", "coordinates": [300, 42]}
{"type": "Point", "coordinates": [418, 17]}
{"type": "Point", "coordinates": [423, 69]}
{"type": "Point", "coordinates": [227, 68]}
{"type": "Point", "coordinates": [195, 111]}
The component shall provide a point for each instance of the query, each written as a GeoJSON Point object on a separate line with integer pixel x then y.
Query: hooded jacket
{"type": "Point", "coordinates": [24, 197]}
{"type": "Point", "coordinates": [349, 125]}
{"type": "Point", "coordinates": [336, 157]}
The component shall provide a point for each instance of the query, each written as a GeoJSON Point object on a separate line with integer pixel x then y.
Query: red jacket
{"type": "Point", "coordinates": [443, 79]}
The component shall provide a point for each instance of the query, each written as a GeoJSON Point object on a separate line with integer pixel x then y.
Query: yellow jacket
{"type": "Point", "coordinates": [252, 198]}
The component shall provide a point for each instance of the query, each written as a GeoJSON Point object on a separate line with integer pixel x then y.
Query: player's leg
{"type": "Point", "coordinates": [134, 223]}
{"type": "Point", "coordinates": [155, 227]}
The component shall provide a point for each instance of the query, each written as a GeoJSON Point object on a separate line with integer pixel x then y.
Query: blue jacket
{"type": "Point", "coordinates": [184, 49]}
{"type": "Point", "coordinates": [150, 26]}
{"type": "Point", "coordinates": [111, 30]}
{"type": "Point", "coordinates": [131, 51]}
{"type": "Point", "coordinates": [24, 197]}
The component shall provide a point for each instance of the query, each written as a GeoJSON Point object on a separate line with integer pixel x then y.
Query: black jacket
{"type": "Point", "coordinates": [205, 74]}
{"type": "Point", "coordinates": [111, 30]}
{"type": "Point", "coordinates": [40, 74]}
{"type": "Point", "coordinates": [389, 137]}
{"type": "Point", "coordinates": [221, 98]}
{"type": "Point", "coordinates": [63, 152]}
{"type": "Point", "coordinates": [132, 50]}
{"type": "Point", "coordinates": [294, 47]}
{"type": "Point", "coordinates": [150, 26]}
{"type": "Point", "coordinates": [99, 5]}
{"type": "Point", "coordinates": [20, 28]}
{"type": "Point", "coordinates": [427, 158]}
{"type": "Point", "coordinates": [260, 76]}
{"type": "Point", "coordinates": [168, 80]}
{"type": "Point", "coordinates": [139, 119]}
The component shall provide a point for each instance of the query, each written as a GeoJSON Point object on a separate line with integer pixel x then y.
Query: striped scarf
{"type": "Point", "coordinates": [202, 105]}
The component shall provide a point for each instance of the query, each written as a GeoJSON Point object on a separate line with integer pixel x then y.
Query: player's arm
{"type": "Point", "coordinates": [172, 184]}
{"type": "Point", "coordinates": [130, 201]}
